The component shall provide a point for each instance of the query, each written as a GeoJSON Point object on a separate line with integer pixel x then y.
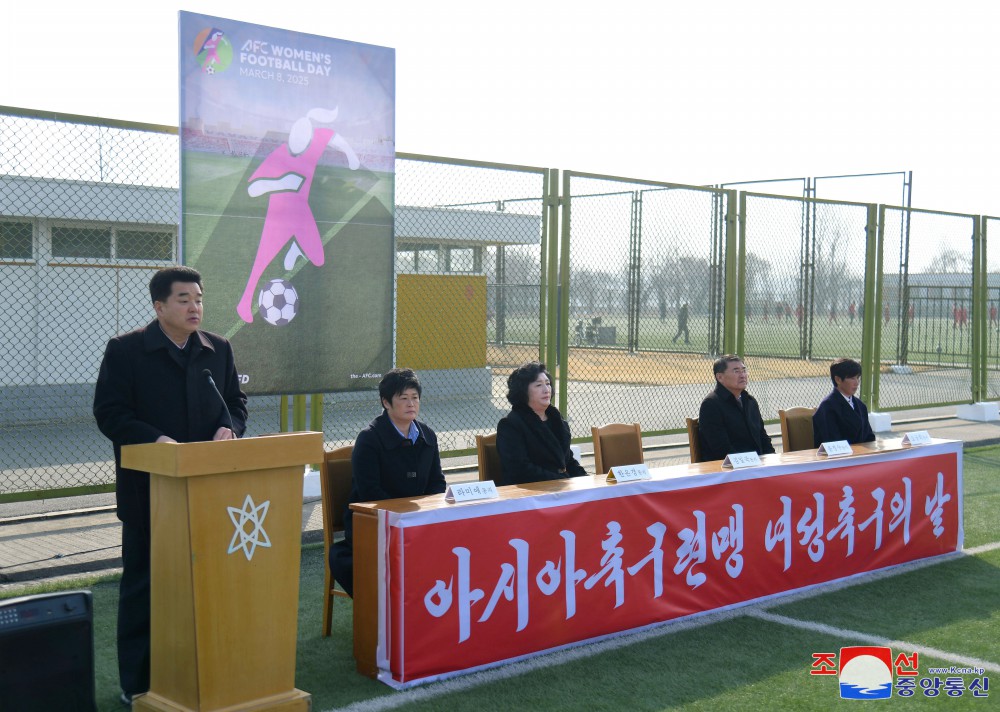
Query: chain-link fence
{"type": "Point", "coordinates": [654, 283]}
{"type": "Point", "coordinates": [803, 294]}
{"type": "Point", "coordinates": [645, 300]}
{"type": "Point", "coordinates": [926, 308]}
{"type": "Point", "coordinates": [90, 212]}
{"type": "Point", "coordinates": [469, 258]}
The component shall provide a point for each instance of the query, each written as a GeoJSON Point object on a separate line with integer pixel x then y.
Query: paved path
{"type": "Point", "coordinates": [75, 454]}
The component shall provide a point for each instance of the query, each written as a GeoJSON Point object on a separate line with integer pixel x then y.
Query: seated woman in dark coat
{"type": "Point", "coordinates": [395, 456]}
{"type": "Point", "coordinates": [533, 441]}
{"type": "Point", "coordinates": [841, 416]}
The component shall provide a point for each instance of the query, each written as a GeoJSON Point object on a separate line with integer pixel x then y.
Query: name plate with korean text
{"type": "Point", "coordinates": [917, 437]}
{"type": "Point", "coordinates": [470, 491]}
{"type": "Point", "coordinates": [738, 460]}
{"type": "Point", "coordinates": [835, 448]}
{"type": "Point", "coordinates": [628, 473]}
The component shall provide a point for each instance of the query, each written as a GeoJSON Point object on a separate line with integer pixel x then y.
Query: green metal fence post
{"type": "Point", "coordinates": [869, 356]}
{"type": "Point", "coordinates": [298, 413]}
{"type": "Point", "coordinates": [874, 293]}
{"type": "Point", "coordinates": [733, 329]}
{"type": "Point", "coordinates": [986, 306]}
{"type": "Point", "coordinates": [563, 281]}
{"type": "Point", "coordinates": [979, 307]}
{"type": "Point", "coordinates": [546, 345]}
{"type": "Point", "coordinates": [316, 412]}
{"type": "Point", "coordinates": [634, 273]}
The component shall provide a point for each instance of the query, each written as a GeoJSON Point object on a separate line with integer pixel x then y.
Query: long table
{"type": "Point", "coordinates": [443, 589]}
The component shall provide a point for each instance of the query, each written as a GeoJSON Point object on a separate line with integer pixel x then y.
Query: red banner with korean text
{"type": "Point", "coordinates": [474, 585]}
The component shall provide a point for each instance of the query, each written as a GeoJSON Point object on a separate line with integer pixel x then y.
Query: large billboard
{"type": "Point", "coordinates": [287, 155]}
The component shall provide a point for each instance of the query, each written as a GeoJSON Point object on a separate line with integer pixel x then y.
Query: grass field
{"type": "Point", "coordinates": [772, 350]}
{"type": "Point", "coordinates": [754, 658]}
{"type": "Point", "coordinates": [931, 341]}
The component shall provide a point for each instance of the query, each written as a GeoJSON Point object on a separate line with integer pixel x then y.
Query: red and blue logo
{"type": "Point", "coordinates": [865, 673]}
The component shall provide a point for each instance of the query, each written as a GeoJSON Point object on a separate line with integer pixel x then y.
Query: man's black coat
{"type": "Point", "coordinates": [835, 419]}
{"type": "Point", "coordinates": [724, 427]}
{"type": "Point", "coordinates": [147, 387]}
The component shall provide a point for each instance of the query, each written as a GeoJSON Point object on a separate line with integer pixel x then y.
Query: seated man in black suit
{"type": "Point", "coordinates": [729, 420]}
{"type": "Point", "coordinates": [841, 416]}
{"type": "Point", "coordinates": [395, 456]}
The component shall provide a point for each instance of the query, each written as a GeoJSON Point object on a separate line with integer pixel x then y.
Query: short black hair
{"type": "Point", "coordinates": [522, 377]}
{"type": "Point", "coordinates": [395, 382]}
{"type": "Point", "coordinates": [162, 282]}
{"type": "Point", "coordinates": [844, 368]}
{"type": "Point", "coordinates": [722, 363]}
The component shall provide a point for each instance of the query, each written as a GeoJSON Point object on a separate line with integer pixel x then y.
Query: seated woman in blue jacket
{"type": "Point", "coordinates": [841, 416]}
{"type": "Point", "coordinates": [395, 456]}
{"type": "Point", "coordinates": [533, 440]}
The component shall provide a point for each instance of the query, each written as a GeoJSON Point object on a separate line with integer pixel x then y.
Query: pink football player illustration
{"type": "Point", "coordinates": [211, 50]}
{"type": "Point", "coordinates": [286, 175]}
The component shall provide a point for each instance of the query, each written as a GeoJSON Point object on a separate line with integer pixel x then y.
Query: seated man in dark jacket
{"type": "Point", "coordinates": [729, 420]}
{"type": "Point", "coordinates": [395, 456]}
{"type": "Point", "coordinates": [533, 440]}
{"type": "Point", "coordinates": [841, 416]}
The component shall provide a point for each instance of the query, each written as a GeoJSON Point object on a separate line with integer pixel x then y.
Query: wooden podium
{"type": "Point", "coordinates": [226, 536]}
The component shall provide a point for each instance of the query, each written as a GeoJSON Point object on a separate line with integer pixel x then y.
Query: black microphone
{"type": "Point", "coordinates": [225, 408]}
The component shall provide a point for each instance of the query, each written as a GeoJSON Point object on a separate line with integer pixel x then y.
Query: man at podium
{"type": "Point", "coordinates": [157, 384]}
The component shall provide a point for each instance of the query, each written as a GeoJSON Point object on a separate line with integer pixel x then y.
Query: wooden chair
{"type": "Point", "coordinates": [335, 486]}
{"type": "Point", "coordinates": [694, 445]}
{"type": "Point", "coordinates": [616, 444]}
{"type": "Point", "coordinates": [489, 458]}
{"type": "Point", "coordinates": [797, 428]}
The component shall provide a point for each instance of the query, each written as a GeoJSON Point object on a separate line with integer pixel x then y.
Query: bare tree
{"type": "Point", "coordinates": [950, 261]}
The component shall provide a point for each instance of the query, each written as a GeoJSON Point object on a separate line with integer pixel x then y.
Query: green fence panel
{"type": "Point", "coordinates": [803, 292]}
{"type": "Point", "coordinates": [628, 288]}
{"type": "Point", "coordinates": [646, 297]}
{"type": "Point", "coordinates": [88, 213]}
{"type": "Point", "coordinates": [458, 218]}
{"type": "Point", "coordinates": [926, 308]}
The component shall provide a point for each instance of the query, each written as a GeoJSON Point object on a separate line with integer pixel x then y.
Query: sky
{"type": "Point", "coordinates": [685, 92]}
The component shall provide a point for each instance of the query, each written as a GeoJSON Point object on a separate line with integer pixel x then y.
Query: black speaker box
{"type": "Point", "coordinates": [47, 653]}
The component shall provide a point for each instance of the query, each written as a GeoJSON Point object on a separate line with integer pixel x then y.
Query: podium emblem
{"type": "Point", "coordinates": [249, 523]}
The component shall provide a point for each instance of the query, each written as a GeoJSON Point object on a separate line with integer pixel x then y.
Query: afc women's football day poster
{"type": "Point", "coordinates": [287, 158]}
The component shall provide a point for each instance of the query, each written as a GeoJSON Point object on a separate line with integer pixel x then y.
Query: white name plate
{"type": "Point", "coordinates": [628, 473]}
{"type": "Point", "coordinates": [470, 491]}
{"type": "Point", "coordinates": [737, 460]}
{"type": "Point", "coordinates": [835, 448]}
{"type": "Point", "coordinates": [917, 437]}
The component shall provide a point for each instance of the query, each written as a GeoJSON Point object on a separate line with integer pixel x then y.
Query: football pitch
{"type": "Point", "coordinates": [946, 611]}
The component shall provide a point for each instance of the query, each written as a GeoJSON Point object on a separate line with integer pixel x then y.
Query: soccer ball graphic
{"type": "Point", "coordinates": [210, 69]}
{"type": "Point", "coordinates": [278, 302]}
